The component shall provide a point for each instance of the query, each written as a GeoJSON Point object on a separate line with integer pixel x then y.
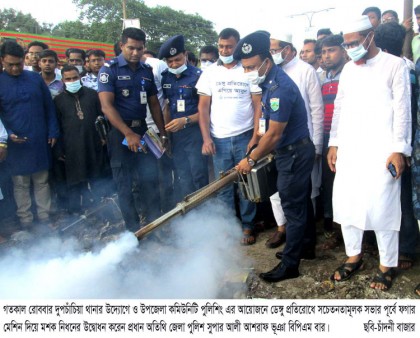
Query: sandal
{"type": "Point", "coordinates": [384, 278]}
{"type": "Point", "coordinates": [346, 270]}
{"type": "Point", "coordinates": [405, 262]}
{"type": "Point", "coordinates": [417, 290]}
{"type": "Point", "coordinates": [248, 238]}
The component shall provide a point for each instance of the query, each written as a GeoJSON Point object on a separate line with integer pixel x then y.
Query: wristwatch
{"type": "Point", "coordinates": [251, 162]}
{"type": "Point", "coordinates": [187, 122]}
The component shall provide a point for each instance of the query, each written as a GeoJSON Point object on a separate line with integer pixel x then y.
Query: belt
{"type": "Point", "coordinates": [135, 123]}
{"type": "Point", "coordinates": [293, 146]}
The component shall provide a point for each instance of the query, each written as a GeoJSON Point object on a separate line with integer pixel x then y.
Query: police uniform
{"type": "Point", "coordinates": [190, 164]}
{"type": "Point", "coordinates": [295, 153]}
{"type": "Point", "coordinates": [131, 90]}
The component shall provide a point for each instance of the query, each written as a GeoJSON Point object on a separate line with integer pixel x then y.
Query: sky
{"type": "Point", "coordinates": [245, 16]}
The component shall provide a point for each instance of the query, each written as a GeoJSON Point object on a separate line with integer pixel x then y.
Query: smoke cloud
{"type": "Point", "coordinates": [190, 259]}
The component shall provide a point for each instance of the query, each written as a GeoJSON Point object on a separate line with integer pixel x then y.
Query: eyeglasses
{"type": "Point", "coordinates": [353, 44]}
{"type": "Point", "coordinates": [275, 51]}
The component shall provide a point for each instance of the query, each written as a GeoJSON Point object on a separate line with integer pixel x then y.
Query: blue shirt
{"type": "Point", "coordinates": [27, 110]}
{"type": "Point", "coordinates": [282, 102]}
{"type": "Point", "coordinates": [181, 88]}
{"type": "Point", "coordinates": [127, 85]}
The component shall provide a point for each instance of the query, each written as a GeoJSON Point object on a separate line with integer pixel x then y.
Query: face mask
{"type": "Point", "coordinates": [73, 87]}
{"type": "Point", "coordinates": [278, 58]}
{"type": "Point", "coordinates": [178, 70]}
{"type": "Point", "coordinates": [80, 69]}
{"type": "Point", "coordinates": [358, 52]}
{"type": "Point", "coordinates": [206, 64]}
{"type": "Point", "coordinates": [226, 59]}
{"type": "Point", "coordinates": [253, 76]}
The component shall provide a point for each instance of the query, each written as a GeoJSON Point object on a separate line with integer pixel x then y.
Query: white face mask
{"type": "Point", "coordinates": [226, 59]}
{"type": "Point", "coordinates": [178, 70]}
{"type": "Point", "coordinates": [278, 58]}
{"type": "Point", "coordinates": [254, 77]}
{"type": "Point", "coordinates": [206, 64]}
{"type": "Point", "coordinates": [358, 52]}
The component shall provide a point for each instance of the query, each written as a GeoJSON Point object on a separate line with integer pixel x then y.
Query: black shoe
{"type": "Point", "coordinates": [308, 255]}
{"type": "Point", "coordinates": [280, 272]}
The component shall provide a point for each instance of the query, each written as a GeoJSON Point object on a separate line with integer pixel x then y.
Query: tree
{"type": "Point", "coordinates": [12, 20]}
{"type": "Point", "coordinates": [105, 20]}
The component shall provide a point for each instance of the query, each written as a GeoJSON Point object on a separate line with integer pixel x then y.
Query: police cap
{"type": "Point", "coordinates": [171, 47]}
{"type": "Point", "coordinates": [253, 44]}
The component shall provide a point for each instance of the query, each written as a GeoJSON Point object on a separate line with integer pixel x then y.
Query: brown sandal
{"type": "Point", "coordinates": [248, 237]}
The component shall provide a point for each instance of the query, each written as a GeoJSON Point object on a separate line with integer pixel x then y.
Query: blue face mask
{"type": "Point", "coordinates": [178, 70]}
{"type": "Point", "coordinates": [73, 87]}
{"type": "Point", "coordinates": [226, 59]}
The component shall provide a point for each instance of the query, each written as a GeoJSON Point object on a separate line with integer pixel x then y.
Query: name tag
{"type": "Point", "coordinates": [180, 104]}
{"type": "Point", "coordinates": [124, 77]}
{"type": "Point", "coordinates": [143, 98]}
{"type": "Point", "coordinates": [167, 85]}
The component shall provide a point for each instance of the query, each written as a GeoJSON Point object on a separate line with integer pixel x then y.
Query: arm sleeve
{"type": "Point", "coordinates": [106, 80]}
{"type": "Point", "coordinates": [3, 133]}
{"type": "Point", "coordinates": [401, 90]}
{"type": "Point", "coordinates": [316, 107]}
{"type": "Point", "coordinates": [52, 122]}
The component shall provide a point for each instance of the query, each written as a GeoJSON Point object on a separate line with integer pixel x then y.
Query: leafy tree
{"type": "Point", "coordinates": [17, 21]}
{"type": "Point", "coordinates": [105, 20]}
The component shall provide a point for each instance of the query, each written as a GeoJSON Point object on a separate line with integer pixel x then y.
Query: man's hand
{"type": "Point", "coordinates": [133, 142]}
{"type": "Point", "coordinates": [208, 148]}
{"type": "Point", "coordinates": [332, 158]}
{"type": "Point", "coordinates": [398, 160]}
{"type": "Point", "coordinates": [254, 140]}
{"type": "Point", "coordinates": [175, 125]}
{"type": "Point", "coordinates": [243, 167]}
{"type": "Point", "coordinates": [16, 139]}
{"type": "Point", "coordinates": [52, 141]}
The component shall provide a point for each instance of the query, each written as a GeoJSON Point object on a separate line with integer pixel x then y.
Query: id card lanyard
{"type": "Point", "coordinates": [180, 103]}
{"type": "Point", "coordinates": [143, 94]}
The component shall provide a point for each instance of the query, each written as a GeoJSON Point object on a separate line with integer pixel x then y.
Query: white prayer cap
{"type": "Point", "coordinates": [359, 24]}
{"type": "Point", "coordinates": [282, 36]}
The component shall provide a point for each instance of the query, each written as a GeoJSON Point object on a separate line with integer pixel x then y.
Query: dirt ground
{"type": "Point", "coordinates": [314, 281]}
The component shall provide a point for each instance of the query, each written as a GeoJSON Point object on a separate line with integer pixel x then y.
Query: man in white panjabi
{"type": "Point", "coordinates": [371, 129]}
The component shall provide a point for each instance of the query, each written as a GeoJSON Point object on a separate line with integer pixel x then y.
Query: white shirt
{"type": "Point", "coordinates": [232, 112]}
{"type": "Point", "coordinates": [372, 119]}
{"type": "Point", "coordinates": [305, 77]}
{"type": "Point", "coordinates": [158, 67]}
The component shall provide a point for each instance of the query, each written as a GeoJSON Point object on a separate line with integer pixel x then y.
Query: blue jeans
{"type": "Point", "coordinates": [229, 152]}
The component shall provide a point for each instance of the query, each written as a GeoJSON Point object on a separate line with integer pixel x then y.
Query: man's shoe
{"type": "Point", "coordinates": [276, 239]}
{"type": "Point", "coordinates": [308, 255]}
{"type": "Point", "coordinates": [279, 273]}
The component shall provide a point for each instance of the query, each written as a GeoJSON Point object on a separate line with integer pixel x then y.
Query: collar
{"type": "Point", "coordinates": [270, 78]}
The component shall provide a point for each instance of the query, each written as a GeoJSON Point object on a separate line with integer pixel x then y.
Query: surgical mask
{"type": "Point", "coordinates": [80, 69]}
{"type": "Point", "coordinates": [356, 53]}
{"type": "Point", "coordinates": [206, 64]}
{"type": "Point", "coordinates": [278, 58]}
{"type": "Point", "coordinates": [178, 70]}
{"type": "Point", "coordinates": [73, 87]}
{"type": "Point", "coordinates": [226, 59]}
{"type": "Point", "coordinates": [253, 76]}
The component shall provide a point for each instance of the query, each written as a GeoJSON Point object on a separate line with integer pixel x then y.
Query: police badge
{"type": "Point", "coordinates": [103, 77]}
{"type": "Point", "coordinates": [172, 51]}
{"type": "Point", "coordinates": [125, 92]}
{"type": "Point", "coordinates": [246, 48]}
{"type": "Point", "coordinates": [275, 103]}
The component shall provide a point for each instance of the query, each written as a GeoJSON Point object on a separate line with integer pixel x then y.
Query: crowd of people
{"type": "Point", "coordinates": [340, 116]}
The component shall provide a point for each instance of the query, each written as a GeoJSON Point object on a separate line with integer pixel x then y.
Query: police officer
{"type": "Point", "coordinates": [287, 133]}
{"type": "Point", "coordinates": [181, 116]}
{"type": "Point", "coordinates": [126, 86]}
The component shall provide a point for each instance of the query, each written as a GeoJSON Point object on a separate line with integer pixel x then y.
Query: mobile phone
{"type": "Point", "coordinates": [392, 170]}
